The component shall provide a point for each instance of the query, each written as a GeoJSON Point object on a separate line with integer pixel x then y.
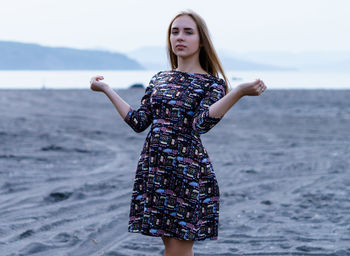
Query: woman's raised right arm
{"type": "Point", "coordinates": [121, 106]}
{"type": "Point", "coordinates": [138, 119]}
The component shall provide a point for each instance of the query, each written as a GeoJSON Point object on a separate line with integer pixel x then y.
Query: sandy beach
{"type": "Point", "coordinates": [68, 160]}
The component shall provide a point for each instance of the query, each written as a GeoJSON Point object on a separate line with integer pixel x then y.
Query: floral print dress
{"type": "Point", "coordinates": [175, 192]}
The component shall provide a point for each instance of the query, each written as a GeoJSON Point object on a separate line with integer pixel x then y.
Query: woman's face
{"type": "Point", "coordinates": [184, 37]}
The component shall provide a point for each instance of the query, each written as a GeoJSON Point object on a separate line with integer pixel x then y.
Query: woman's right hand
{"type": "Point", "coordinates": [96, 85]}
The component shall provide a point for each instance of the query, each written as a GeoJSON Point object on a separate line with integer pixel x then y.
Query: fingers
{"type": "Point", "coordinates": [96, 79]}
{"type": "Point", "coordinates": [256, 82]}
{"type": "Point", "coordinates": [261, 87]}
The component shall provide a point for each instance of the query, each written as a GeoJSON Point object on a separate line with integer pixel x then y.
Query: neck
{"type": "Point", "coordinates": [190, 64]}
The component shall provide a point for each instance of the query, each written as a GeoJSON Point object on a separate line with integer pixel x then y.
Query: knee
{"type": "Point", "coordinates": [174, 247]}
{"type": "Point", "coordinates": [178, 252]}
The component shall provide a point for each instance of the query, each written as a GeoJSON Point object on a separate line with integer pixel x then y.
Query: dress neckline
{"type": "Point", "coordinates": [191, 73]}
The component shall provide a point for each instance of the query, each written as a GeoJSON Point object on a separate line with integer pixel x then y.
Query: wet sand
{"type": "Point", "coordinates": [67, 163]}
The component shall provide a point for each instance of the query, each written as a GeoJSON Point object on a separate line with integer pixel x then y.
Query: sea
{"type": "Point", "coordinates": [79, 79]}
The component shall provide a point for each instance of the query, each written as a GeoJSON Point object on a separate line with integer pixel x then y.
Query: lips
{"type": "Point", "coordinates": [181, 46]}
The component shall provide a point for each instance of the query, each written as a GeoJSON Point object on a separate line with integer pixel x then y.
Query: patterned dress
{"type": "Point", "coordinates": [175, 191]}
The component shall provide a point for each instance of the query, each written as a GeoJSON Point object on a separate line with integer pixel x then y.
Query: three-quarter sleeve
{"type": "Point", "coordinates": [202, 122]}
{"type": "Point", "coordinates": [139, 119]}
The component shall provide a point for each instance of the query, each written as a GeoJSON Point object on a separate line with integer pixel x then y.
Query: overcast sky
{"type": "Point", "coordinates": [235, 25]}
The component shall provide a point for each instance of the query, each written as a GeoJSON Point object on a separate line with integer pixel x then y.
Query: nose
{"type": "Point", "coordinates": [179, 36]}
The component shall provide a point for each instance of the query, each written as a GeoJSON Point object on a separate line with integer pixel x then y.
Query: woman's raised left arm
{"type": "Point", "coordinates": [220, 107]}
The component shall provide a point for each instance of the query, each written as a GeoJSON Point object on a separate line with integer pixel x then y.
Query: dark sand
{"type": "Point", "coordinates": [68, 160]}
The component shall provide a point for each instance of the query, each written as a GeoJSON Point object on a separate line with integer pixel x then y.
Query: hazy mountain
{"type": "Point", "coordinates": [151, 57]}
{"type": "Point", "coordinates": [343, 65]}
{"type": "Point", "coordinates": [232, 62]}
{"type": "Point", "coordinates": [304, 60]}
{"type": "Point", "coordinates": [155, 58]}
{"type": "Point", "coordinates": [25, 56]}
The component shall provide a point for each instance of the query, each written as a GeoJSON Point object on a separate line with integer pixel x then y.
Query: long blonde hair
{"type": "Point", "coordinates": [208, 58]}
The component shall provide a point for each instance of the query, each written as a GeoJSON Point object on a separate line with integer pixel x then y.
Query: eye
{"type": "Point", "coordinates": [189, 33]}
{"type": "Point", "coordinates": [174, 32]}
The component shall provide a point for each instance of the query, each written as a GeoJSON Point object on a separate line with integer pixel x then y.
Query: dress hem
{"type": "Point", "coordinates": [178, 238]}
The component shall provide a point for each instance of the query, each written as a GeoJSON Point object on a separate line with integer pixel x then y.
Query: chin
{"type": "Point", "coordinates": [184, 54]}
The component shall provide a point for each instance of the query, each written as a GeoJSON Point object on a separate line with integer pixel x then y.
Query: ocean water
{"type": "Point", "coordinates": [123, 79]}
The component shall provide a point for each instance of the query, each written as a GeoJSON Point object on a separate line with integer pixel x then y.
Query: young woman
{"type": "Point", "coordinates": [176, 194]}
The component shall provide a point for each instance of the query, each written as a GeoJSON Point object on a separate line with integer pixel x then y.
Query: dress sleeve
{"type": "Point", "coordinates": [202, 122]}
{"type": "Point", "coordinates": [139, 119]}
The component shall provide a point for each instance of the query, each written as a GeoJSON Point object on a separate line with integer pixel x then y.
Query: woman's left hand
{"type": "Point", "coordinates": [97, 85]}
{"type": "Point", "coordinates": [252, 89]}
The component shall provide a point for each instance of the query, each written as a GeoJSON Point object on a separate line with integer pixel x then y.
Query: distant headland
{"type": "Point", "coordinates": [29, 56]}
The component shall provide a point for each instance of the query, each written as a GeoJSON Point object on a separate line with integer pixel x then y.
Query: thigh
{"type": "Point", "coordinates": [165, 240]}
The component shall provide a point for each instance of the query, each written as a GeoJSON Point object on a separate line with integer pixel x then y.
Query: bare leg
{"type": "Point", "coordinates": [175, 247]}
